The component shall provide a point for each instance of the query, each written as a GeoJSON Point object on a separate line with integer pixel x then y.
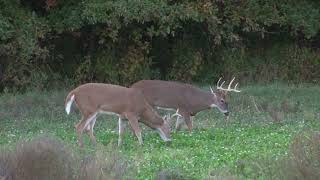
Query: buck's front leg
{"type": "Point", "coordinates": [179, 122]}
{"type": "Point", "coordinates": [133, 120]}
{"type": "Point", "coordinates": [188, 121]}
{"type": "Point", "coordinates": [187, 118]}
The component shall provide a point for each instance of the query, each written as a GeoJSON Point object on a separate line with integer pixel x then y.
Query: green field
{"type": "Point", "coordinates": [252, 144]}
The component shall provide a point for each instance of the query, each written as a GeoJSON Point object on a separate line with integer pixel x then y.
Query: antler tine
{"type": "Point", "coordinates": [219, 81]}
{"type": "Point", "coordinates": [220, 87]}
{"type": "Point", "coordinates": [211, 90]}
{"type": "Point", "coordinates": [176, 114]}
{"type": "Point", "coordinates": [235, 88]}
{"type": "Point", "coordinates": [229, 87]}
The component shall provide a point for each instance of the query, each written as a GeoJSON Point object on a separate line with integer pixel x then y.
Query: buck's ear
{"type": "Point", "coordinates": [212, 91]}
{"type": "Point", "coordinates": [222, 92]}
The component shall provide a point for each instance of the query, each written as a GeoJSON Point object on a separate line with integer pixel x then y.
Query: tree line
{"type": "Point", "coordinates": [46, 42]}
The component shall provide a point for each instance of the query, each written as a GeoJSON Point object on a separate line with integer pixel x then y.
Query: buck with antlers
{"type": "Point", "coordinates": [187, 98]}
{"type": "Point", "coordinates": [93, 99]}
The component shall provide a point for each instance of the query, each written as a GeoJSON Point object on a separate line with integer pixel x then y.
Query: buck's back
{"type": "Point", "coordinates": [166, 93]}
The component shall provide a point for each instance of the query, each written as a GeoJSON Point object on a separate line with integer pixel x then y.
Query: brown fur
{"type": "Point", "coordinates": [187, 98]}
{"type": "Point", "coordinates": [128, 103]}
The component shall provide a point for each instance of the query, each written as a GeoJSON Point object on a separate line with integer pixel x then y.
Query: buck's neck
{"type": "Point", "coordinates": [200, 101]}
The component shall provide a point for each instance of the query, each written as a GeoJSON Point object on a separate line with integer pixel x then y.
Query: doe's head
{"type": "Point", "coordinates": [164, 130]}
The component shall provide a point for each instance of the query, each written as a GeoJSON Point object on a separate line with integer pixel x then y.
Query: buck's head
{"type": "Point", "coordinates": [164, 130]}
{"type": "Point", "coordinates": [219, 97]}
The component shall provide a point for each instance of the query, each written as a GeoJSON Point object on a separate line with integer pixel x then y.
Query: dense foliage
{"type": "Point", "coordinates": [44, 41]}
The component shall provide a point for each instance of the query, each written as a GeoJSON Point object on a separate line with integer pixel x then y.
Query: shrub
{"type": "Point", "coordinates": [276, 62]}
{"type": "Point", "coordinates": [65, 37]}
{"type": "Point", "coordinates": [135, 65]}
{"type": "Point", "coordinates": [48, 158]}
{"type": "Point", "coordinates": [186, 64]}
{"type": "Point", "coordinates": [41, 158]}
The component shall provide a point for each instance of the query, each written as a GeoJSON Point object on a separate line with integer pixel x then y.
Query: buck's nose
{"type": "Point", "coordinates": [226, 113]}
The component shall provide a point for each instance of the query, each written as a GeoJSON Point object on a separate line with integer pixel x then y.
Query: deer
{"type": "Point", "coordinates": [93, 99]}
{"type": "Point", "coordinates": [186, 98]}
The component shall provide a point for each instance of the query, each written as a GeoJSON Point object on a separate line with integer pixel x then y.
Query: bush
{"type": "Point", "coordinates": [186, 64]}
{"type": "Point", "coordinates": [65, 39]}
{"type": "Point", "coordinates": [135, 65]}
{"type": "Point", "coordinates": [278, 62]}
{"type": "Point", "coordinates": [304, 162]}
{"type": "Point", "coordinates": [41, 158]}
{"type": "Point", "coordinates": [48, 158]}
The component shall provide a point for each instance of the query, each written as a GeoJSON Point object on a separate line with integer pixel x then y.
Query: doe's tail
{"type": "Point", "coordinates": [69, 100]}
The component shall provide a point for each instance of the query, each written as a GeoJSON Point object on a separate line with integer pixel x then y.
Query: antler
{"type": "Point", "coordinates": [176, 114]}
{"type": "Point", "coordinates": [170, 117]}
{"type": "Point", "coordinates": [229, 86]}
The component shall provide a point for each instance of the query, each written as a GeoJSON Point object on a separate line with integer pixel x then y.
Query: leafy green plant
{"type": "Point", "coordinates": [187, 63]}
{"type": "Point", "coordinates": [135, 65]}
{"type": "Point", "coordinates": [233, 38]}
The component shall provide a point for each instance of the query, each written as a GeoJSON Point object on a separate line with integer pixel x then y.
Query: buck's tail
{"type": "Point", "coordinates": [69, 100]}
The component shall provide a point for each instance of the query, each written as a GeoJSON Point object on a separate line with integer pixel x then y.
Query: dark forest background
{"type": "Point", "coordinates": [52, 43]}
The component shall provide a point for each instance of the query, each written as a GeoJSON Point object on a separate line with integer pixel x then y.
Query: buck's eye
{"type": "Point", "coordinates": [222, 100]}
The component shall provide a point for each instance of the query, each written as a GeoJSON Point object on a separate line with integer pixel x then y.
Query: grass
{"type": "Point", "coordinates": [263, 124]}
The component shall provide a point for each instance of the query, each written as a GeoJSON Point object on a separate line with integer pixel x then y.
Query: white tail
{"type": "Point", "coordinates": [127, 103]}
{"type": "Point", "coordinates": [69, 103]}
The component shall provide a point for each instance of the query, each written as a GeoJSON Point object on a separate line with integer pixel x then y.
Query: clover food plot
{"type": "Point", "coordinates": [264, 120]}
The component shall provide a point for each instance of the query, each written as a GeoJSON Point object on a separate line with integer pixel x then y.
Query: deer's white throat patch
{"type": "Point", "coordinates": [213, 105]}
{"type": "Point", "coordinates": [223, 111]}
